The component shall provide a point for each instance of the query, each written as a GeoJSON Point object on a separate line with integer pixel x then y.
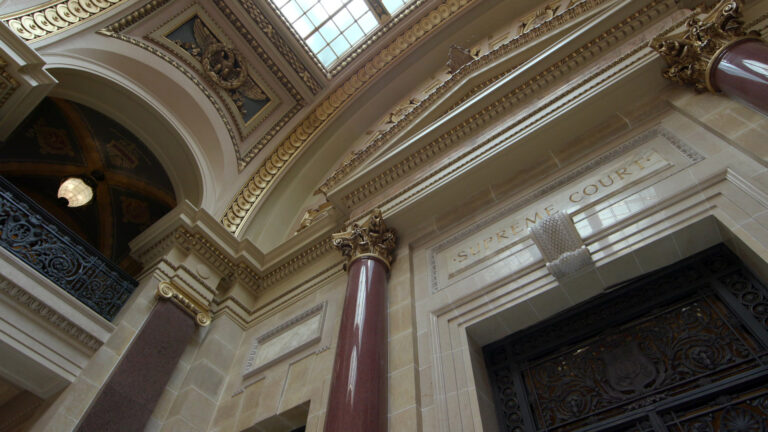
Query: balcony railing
{"type": "Point", "coordinates": [45, 244]}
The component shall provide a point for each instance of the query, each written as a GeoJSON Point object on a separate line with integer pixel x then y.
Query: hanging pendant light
{"type": "Point", "coordinates": [76, 191]}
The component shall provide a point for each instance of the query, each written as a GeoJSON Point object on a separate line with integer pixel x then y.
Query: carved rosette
{"type": "Point", "coordinates": [692, 53]}
{"type": "Point", "coordinates": [169, 291]}
{"type": "Point", "coordinates": [371, 239]}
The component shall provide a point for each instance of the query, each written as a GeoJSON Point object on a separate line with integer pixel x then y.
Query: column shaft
{"type": "Point", "coordinates": [129, 396]}
{"type": "Point", "coordinates": [741, 72]}
{"type": "Point", "coordinates": [358, 396]}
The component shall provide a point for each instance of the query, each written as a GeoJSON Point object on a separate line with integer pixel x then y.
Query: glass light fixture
{"type": "Point", "coordinates": [76, 191]}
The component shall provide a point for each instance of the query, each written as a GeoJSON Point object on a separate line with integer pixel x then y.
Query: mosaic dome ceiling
{"type": "Point", "coordinates": [61, 138]}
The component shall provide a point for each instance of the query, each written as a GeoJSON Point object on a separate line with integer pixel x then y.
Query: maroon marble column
{"type": "Point", "coordinates": [129, 396]}
{"type": "Point", "coordinates": [741, 72]}
{"type": "Point", "coordinates": [358, 395]}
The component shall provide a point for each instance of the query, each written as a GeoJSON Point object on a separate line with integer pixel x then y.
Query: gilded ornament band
{"type": "Point", "coordinates": [54, 17]}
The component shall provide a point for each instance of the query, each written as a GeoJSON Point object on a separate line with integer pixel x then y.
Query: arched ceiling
{"type": "Point", "coordinates": [287, 128]}
{"type": "Point", "coordinates": [61, 138]}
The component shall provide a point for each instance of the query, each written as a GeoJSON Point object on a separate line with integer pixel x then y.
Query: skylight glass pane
{"type": "Point", "coordinates": [332, 5]}
{"type": "Point", "coordinates": [343, 19]}
{"type": "Point", "coordinates": [316, 43]}
{"type": "Point", "coordinates": [327, 56]}
{"type": "Point", "coordinates": [317, 15]}
{"type": "Point", "coordinates": [303, 26]}
{"type": "Point", "coordinates": [358, 8]}
{"type": "Point", "coordinates": [329, 31]}
{"type": "Point", "coordinates": [368, 22]}
{"type": "Point", "coordinates": [306, 4]}
{"type": "Point", "coordinates": [330, 28]}
{"type": "Point", "coordinates": [340, 45]}
{"type": "Point", "coordinates": [394, 5]}
{"type": "Point", "coordinates": [354, 33]}
{"type": "Point", "coordinates": [291, 11]}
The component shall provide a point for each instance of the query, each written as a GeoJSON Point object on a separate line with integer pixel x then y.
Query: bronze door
{"type": "Point", "coordinates": [684, 348]}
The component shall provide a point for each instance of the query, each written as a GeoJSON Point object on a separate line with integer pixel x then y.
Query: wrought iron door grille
{"type": "Point", "coordinates": [682, 349]}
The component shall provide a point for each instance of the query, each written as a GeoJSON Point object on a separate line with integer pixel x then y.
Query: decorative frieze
{"type": "Point", "coordinates": [8, 83]}
{"type": "Point", "coordinates": [692, 53]}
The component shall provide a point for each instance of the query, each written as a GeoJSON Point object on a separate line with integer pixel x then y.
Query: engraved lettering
{"type": "Point", "coordinates": [501, 234]}
{"type": "Point", "coordinates": [486, 241]}
{"type": "Point", "coordinates": [529, 221]}
{"type": "Point", "coordinates": [610, 177]}
{"type": "Point", "coordinates": [462, 256]}
{"type": "Point", "coordinates": [550, 210]}
{"type": "Point", "coordinates": [516, 229]}
{"type": "Point", "coordinates": [622, 172]}
{"type": "Point", "coordinates": [573, 199]}
{"type": "Point", "coordinates": [593, 190]}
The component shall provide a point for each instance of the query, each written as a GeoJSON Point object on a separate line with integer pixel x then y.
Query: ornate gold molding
{"type": "Point", "coordinates": [54, 17]}
{"type": "Point", "coordinates": [371, 239]}
{"type": "Point", "coordinates": [692, 53]}
{"type": "Point", "coordinates": [172, 292]}
{"type": "Point", "coordinates": [251, 193]}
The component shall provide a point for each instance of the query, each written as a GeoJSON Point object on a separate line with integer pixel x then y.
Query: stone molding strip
{"type": "Point", "coordinates": [551, 74]}
{"type": "Point", "coordinates": [55, 17]}
{"type": "Point", "coordinates": [32, 304]}
{"type": "Point", "coordinates": [8, 84]}
{"type": "Point", "coordinates": [245, 201]}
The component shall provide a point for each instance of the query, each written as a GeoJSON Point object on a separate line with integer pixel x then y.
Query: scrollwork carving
{"type": "Point", "coordinates": [169, 291]}
{"type": "Point", "coordinates": [372, 238]}
{"type": "Point", "coordinates": [692, 53]}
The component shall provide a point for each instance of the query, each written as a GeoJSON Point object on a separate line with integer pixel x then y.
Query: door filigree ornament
{"type": "Point", "coordinates": [692, 53]}
{"type": "Point", "coordinates": [371, 239]}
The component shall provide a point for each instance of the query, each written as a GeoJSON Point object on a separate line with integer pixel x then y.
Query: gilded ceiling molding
{"type": "Point", "coordinates": [8, 84]}
{"type": "Point", "coordinates": [425, 154]}
{"type": "Point", "coordinates": [273, 35]}
{"type": "Point", "coordinates": [692, 53]}
{"type": "Point", "coordinates": [371, 239]}
{"type": "Point", "coordinates": [55, 17]}
{"type": "Point", "coordinates": [169, 291]}
{"type": "Point", "coordinates": [576, 10]}
{"type": "Point", "coordinates": [250, 194]}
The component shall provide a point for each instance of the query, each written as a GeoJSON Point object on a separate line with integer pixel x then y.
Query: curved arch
{"type": "Point", "coordinates": [188, 142]}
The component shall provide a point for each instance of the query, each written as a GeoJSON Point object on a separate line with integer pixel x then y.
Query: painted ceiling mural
{"type": "Point", "coordinates": [61, 138]}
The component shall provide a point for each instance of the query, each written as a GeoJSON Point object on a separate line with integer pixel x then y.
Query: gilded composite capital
{"type": "Point", "coordinates": [373, 239]}
{"type": "Point", "coordinates": [692, 54]}
{"type": "Point", "coordinates": [169, 291]}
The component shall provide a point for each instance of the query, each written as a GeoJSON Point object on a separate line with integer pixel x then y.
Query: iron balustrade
{"type": "Point", "coordinates": [48, 246]}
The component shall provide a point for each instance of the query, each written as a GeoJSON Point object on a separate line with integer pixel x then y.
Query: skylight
{"type": "Point", "coordinates": [331, 27]}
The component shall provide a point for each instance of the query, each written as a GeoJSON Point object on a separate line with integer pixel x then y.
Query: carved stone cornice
{"type": "Point", "coordinates": [34, 305]}
{"type": "Point", "coordinates": [692, 53]}
{"type": "Point", "coordinates": [169, 291]}
{"type": "Point", "coordinates": [51, 18]}
{"type": "Point", "coordinates": [371, 239]}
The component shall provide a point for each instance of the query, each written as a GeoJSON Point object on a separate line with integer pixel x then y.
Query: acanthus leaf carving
{"type": "Point", "coordinates": [372, 238]}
